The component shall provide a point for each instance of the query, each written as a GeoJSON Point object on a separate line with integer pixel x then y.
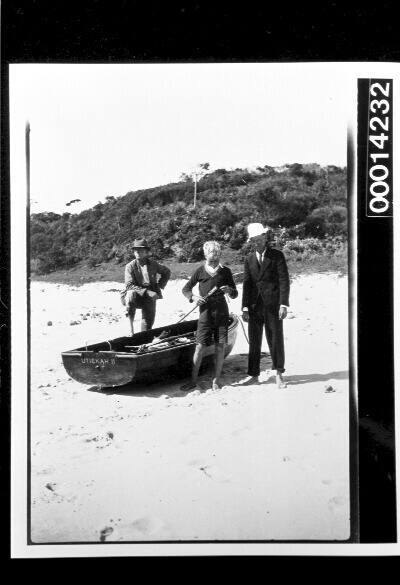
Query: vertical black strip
{"type": "Point", "coordinates": [377, 496]}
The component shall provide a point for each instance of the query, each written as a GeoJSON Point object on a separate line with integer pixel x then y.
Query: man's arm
{"type": "Point", "coordinates": [246, 285]}
{"type": "Point", "coordinates": [230, 284]}
{"type": "Point", "coordinates": [284, 281]}
{"type": "Point", "coordinates": [187, 289]}
{"type": "Point", "coordinates": [165, 274]}
{"type": "Point", "coordinates": [128, 276]}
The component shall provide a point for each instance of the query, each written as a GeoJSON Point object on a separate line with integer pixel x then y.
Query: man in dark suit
{"type": "Point", "coordinates": [265, 301]}
{"type": "Point", "coordinates": [142, 286]}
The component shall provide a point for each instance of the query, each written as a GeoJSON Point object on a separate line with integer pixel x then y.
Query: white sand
{"type": "Point", "coordinates": [245, 462]}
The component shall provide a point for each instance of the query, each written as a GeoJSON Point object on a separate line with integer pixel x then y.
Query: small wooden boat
{"type": "Point", "coordinates": [133, 359]}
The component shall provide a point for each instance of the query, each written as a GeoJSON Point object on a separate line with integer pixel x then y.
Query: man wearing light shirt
{"type": "Point", "coordinates": [265, 301]}
{"type": "Point", "coordinates": [144, 280]}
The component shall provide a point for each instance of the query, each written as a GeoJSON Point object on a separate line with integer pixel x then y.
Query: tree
{"type": "Point", "coordinates": [197, 173]}
{"type": "Point", "coordinates": [296, 169]}
{"type": "Point", "coordinates": [72, 201]}
{"type": "Point", "coordinates": [185, 178]}
{"type": "Point", "coordinates": [329, 220]}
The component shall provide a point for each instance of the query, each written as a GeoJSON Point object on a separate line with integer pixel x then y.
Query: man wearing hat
{"type": "Point", "coordinates": [142, 287]}
{"type": "Point", "coordinates": [265, 301]}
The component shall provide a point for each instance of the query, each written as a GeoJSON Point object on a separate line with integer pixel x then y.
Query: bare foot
{"type": "Point", "coordinates": [280, 382]}
{"type": "Point", "coordinates": [216, 385]}
{"type": "Point", "coordinates": [250, 380]}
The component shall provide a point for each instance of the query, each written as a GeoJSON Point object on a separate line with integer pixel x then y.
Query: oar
{"type": "Point", "coordinates": [211, 292]}
{"type": "Point", "coordinates": [206, 297]}
{"type": "Point", "coordinates": [160, 341]}
{"type": "Point", "coordinates": [164, 334]}
{"type": "Point", "coordinates": [167, 332]}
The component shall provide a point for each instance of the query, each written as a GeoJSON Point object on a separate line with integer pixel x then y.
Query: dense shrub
{"type": "Point", "coordinates": [328, 220]}
{"type": "Point", "coordinates": [312, 248]}
{"type": "Point", "coordinates": [305, 204]}
{"type": "Point", "coordinates": [191, 250]}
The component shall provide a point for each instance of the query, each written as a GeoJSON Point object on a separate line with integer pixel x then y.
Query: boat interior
{"type": "Point", "coordinates": [125, 344]}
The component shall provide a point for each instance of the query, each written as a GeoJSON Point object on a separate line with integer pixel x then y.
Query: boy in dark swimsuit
{"type": "Point", "coordinates": [214, 314]}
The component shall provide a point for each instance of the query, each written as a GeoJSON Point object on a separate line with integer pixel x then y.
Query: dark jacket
{"type": "Point", "coordinates": [134, 278]}
{"type": "Point", "coordinates": [270, 281]}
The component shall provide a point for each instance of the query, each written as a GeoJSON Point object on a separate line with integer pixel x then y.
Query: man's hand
{"type": "Point", "coordinates": [198, 300]}
{"type": "Point", "coordinates": [282, 312]}
{"type": "Point", "coordinates": [152, 295]}
{"type": "Point", "coordinates": [226, 289]}
{"type": "Point", "coordinates": [245, 315]}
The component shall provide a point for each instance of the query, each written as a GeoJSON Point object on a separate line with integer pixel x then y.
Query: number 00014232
{"type": "Point", "coordinates": [379, 172]}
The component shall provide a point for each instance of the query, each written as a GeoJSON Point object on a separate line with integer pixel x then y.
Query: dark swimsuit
{"type": "Point", "coordinates": [214, 315]}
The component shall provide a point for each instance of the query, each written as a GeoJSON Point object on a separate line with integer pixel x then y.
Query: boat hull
{"type": "Point", "coordinates": [109, 363]}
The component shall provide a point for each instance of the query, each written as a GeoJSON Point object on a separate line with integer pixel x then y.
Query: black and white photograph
{"type": "Point", "coordinates": [188, 232]}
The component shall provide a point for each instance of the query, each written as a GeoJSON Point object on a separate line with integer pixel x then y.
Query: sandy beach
{"type": "Point", "coordinates": [153, 463]}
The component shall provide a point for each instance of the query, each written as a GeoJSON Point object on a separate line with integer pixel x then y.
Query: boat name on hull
{"type": "Point", "coordinates": [99, 361]}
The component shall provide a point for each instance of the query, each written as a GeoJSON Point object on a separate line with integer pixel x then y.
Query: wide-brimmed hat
{"type": "Point", "coordinates": [256, 229]}
{"type": "Point", "coordinates": [140, 243]}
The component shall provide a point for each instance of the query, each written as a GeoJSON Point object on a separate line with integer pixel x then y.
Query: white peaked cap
{"type": "Point", "coordinates": [256, 229]}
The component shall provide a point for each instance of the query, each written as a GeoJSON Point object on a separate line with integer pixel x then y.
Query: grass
{"type": "Point", "coordinates": [111, 271]}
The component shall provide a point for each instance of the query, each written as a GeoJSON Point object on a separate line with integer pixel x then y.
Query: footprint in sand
{"type": "Point", "coordinates": [141, 529]}
{"type": "Point", "coordinates": [105, 532]}
{"type": "Point", "coordinates": [239, 432]}
{"type": "Point", "coordinates": [101, 441]}
{"type": "Point", "coordinates": [211, 471]}
{"type": "Point", "coordinates": [45, 471]}
{"type": "Point", "coordinates": [214, 473]}
{"type": "Point", "coordinates": [335, 503]}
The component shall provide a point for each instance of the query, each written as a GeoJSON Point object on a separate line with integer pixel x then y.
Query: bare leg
{"type": "Point", "coordinates": [219, 362]}
{"type": "Point", "coordinates": [131, 324]}
{"type": "Point", "coordinates": [197, 359]}
{"type": "Point", "coordinates": [148, 313]}
{"type": "Point", "coordinates": [130, 308]}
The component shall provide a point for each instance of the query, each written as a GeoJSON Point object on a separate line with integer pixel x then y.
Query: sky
{"type": "Point", "coordinates": [99, 130]}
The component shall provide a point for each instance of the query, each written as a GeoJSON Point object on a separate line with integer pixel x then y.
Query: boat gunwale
{"type": "Point", "coordinates": [126, 354]}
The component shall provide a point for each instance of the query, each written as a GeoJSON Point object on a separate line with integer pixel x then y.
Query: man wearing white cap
{"type": "Point", "coordinates": [265, 300]}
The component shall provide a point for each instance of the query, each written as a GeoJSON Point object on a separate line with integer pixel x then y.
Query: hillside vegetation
{"type": "Point", "coordinates": [306, 204]}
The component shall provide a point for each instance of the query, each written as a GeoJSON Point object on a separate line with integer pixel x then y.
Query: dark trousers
{"type": "Point", "coordinates": [265, 317]}
{"type": "Point", "coordinates": [135, 301]}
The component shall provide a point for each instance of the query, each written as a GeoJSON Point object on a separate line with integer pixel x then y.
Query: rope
{"type": "Point", "coordinates": [244, 331]}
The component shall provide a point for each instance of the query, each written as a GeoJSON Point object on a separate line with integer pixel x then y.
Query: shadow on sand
{"type": "Point", "coordinates": [309, 378]}
{"type": "Point", "coordinates": [235, 367]}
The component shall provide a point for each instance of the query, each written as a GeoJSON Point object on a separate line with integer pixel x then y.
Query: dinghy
{"type": "Point", "coordinates": [148, 356]}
